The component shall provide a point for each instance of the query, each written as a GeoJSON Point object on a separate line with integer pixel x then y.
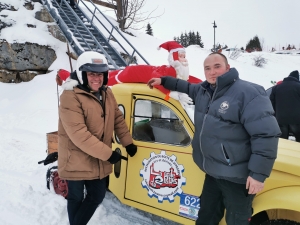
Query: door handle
{"type": "Point", "coordinates": [124, 158]}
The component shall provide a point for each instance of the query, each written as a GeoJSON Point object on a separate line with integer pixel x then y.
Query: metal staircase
{"type": "Point", "coordinates": [86, 32]}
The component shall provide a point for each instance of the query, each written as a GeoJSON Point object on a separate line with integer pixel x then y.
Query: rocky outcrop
{"type": "Point", "coordinates": [44, 16]}
{"type": "Point", "coordinates": [17, 77]}
{"type": "Point", "coordinates": [28, 56]}
{"type": "Point", "coordinates": [29, 5]}
{"type": "Point", "coordinates": [6, 7]}
{"type": "Point", "coordinates": [23, 61]}
{"type": "Point", "coordinates": [56, 32]}
{"type": "Point", "coordinates": [4, 22]}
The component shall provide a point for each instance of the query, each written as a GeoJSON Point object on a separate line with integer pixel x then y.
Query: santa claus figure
{"type": "Point", "coordinates": [177, 59]}
{"type": "Point", "coordinates": [178, 68]}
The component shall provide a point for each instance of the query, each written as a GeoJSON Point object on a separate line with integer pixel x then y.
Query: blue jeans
{"type": "Point", "coordinates": [218, 194]}
{"type": "Point", "coordinates": [80, 209]}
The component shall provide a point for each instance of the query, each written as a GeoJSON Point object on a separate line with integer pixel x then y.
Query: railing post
{"type": "Point", "coordinates": [110, 34]}
{"type": "Point", "coordinates": [93, 14]}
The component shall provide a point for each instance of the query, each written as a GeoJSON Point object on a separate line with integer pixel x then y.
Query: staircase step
{"type": "Point", "coordinates": [81, 30]}
{"type": "Point", "coordinates": [89, 41]}
{"type": "Point", "coordinates": [86, 36]}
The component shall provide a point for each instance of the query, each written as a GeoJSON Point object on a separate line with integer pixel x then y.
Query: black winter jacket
{"type": "Point", "coordinates": [236, 134]}
{"type": "Point", "coordinates": [285, 99]}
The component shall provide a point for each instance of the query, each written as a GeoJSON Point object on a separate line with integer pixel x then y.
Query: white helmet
{"type": "Point", "coordinates": [91, 62]}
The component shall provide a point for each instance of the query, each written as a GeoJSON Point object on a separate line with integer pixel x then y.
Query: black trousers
{"type": "Point", "coordinates": [80, 209]}
{"type": "Point", "coordinates": [219, 194]}
{"type": "Point", "coordinates": [286, 130]}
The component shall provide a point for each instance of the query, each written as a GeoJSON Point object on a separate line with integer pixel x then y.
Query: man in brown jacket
{"type": "Point", "coordinates": [88, 115]}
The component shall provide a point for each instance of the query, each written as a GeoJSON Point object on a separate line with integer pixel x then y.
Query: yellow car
{"type": "Point", "coordinates": [162, 177]}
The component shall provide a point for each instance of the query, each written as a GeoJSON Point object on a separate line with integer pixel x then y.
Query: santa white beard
{"type": "Point", "coordinates": [182, 69]}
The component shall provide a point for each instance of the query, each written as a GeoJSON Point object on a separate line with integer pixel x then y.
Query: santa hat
{"type": "Point", "coordinates": [61, 76]}
{"type": "Point", "coordinates": [173, 48]}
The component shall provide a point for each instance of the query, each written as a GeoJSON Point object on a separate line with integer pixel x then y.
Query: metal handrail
{"type": "Point", "coordinates": [78, 20]}
{"type": "Point", "coordinates": [111, 32]}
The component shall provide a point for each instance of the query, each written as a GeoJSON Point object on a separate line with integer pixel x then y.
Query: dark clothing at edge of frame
{"type": "Point", "coordinates": [285, 99]}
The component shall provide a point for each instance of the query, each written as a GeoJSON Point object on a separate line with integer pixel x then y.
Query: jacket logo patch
{"type": "Point", "coordinates": [223, 107]}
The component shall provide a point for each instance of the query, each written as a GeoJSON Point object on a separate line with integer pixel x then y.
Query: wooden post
{"type": "Point", "coordinates": [120, 13]}
{"type": "Point", "coordinates": [69, 57]}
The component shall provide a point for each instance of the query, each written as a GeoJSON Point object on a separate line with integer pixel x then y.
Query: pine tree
{"type": "Point", "coordinates": [149, 29]}
{"type": "Point", "coordinates": [186, 40]}
{"type": "Point", "coordinates": [181, 39]}
{"type": "Point", "coordinates": [198, 40]}
{"type": "Point", "coordinates": [192, 38]}
{"type": "Point", "coordinates": [189, 39]}
{"type": "Point", "coordinates": [257, 43]}
{"type": "Point", "coordinates": [253, 45]}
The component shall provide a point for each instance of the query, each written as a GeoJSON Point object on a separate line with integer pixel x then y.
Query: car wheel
{"type": "Point", "coordinates": [280, 222]}
{"type": "Point", "coordinates": [259, 218]}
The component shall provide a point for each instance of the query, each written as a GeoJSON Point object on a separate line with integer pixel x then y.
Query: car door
{"type": "Point", "coordinates": [162, 174]}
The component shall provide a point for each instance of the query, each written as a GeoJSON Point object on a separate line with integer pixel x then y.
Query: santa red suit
{"type": "Point", "coordinates": [136, 74]}
{"type": "Point", "coordinates": [178, 68]}
{"type": "Point", "coordinates": [143, 73]}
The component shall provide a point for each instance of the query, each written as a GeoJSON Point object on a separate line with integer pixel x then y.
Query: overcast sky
{"type": "Point", "coordinates": [275, 21]}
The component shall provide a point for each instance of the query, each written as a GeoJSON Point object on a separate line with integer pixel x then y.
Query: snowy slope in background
{"type": "Point", "coordinates": [29, 110]}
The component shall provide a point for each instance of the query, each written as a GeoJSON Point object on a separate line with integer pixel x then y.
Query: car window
{"type": "Point", "coordinates": [155, 122]}
{"type": "Point", "coordinates": [122, 109]}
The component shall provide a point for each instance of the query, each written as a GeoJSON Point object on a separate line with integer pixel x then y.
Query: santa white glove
{"type": "Point", "coordinates": [183, 98]}
{"type": "Point", "coordinates": [174, 94]}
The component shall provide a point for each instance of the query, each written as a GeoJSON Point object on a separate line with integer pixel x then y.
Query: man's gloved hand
{"type": "Point", "coordinates": [114, 158]}
{"type": "Point", "coordinates": [131, 149]}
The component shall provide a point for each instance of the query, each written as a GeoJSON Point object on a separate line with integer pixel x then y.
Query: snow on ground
{"type": "Point", "coordinates": [29, 110]}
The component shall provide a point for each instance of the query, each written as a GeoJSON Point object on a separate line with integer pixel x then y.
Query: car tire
{"type": "Point", "coordinates": [259, 218]}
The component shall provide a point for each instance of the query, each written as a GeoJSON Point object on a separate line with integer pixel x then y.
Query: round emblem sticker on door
{"type": "Point", "coordinates": [162, 176]}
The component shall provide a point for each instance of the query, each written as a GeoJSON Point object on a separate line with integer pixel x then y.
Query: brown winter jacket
{"type": "Point", "coordinates": [85, 134]}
